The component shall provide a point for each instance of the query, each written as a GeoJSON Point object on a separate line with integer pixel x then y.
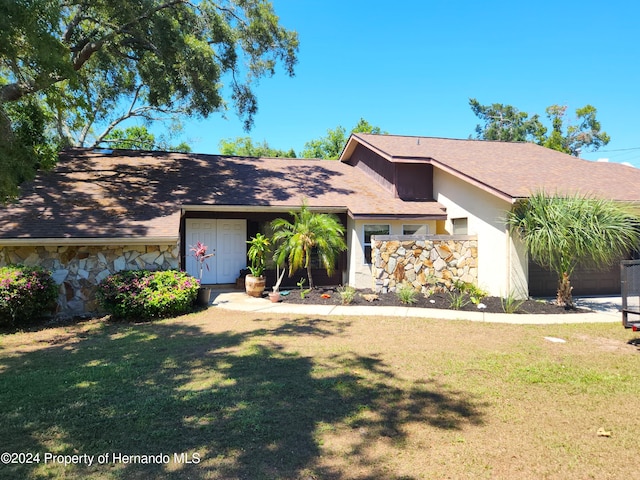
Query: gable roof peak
{"type": "Point", "coordinates": [511, 169]}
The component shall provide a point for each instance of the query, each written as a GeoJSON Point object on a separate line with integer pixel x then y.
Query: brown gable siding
{"type": "Point", "coordinates": [414, 181]}
{"type": "Point", "coordinates": [407, 181]}
{"type": "Point", "coordinates": [376, 167]}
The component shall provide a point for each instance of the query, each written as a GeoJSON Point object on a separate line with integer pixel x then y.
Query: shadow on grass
{"type": "Point", "coordinates": [246, 404]}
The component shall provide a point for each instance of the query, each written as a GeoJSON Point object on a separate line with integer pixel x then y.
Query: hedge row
{"type": "Point", "coordinates": [26, 293]}
{"type": "Point", "coordinates": [142, 294]}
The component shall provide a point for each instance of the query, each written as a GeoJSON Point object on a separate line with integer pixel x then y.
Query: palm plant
{"type": "Point", "coordinates": [308, 231]}
{"type": "Point", "coordinates": [257, 253]}
{"type": "Point", "coordinates": [563, 232]}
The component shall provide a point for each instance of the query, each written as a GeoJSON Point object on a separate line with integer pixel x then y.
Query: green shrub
{"type": "Point", "coordinates": [26, 293]}
{"type": "Point", "coordinates": [458, 295]}
{"type": "Point", "coordinates": [407, 294]}
{"type": "Point", "coordinates": [142, 294]}
{"type": "Point", "coordinates": [511, 303]}
{"type": "Point", "coordinates": [475, 293]}
{"type": "Point", "coordinates": [347, 294]}
{"type": "Point", "coordinates": [457, 299]}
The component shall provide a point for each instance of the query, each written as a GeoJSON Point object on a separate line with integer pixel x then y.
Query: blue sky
{"type": "Point", "coordinates": [410, 67]}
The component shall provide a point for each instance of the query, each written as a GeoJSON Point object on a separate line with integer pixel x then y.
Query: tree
{"type": "Point", "coordinates": [507, 124]}
{"type": "Point", "coordinates": [309, 231]}
{"type": "Point", "coordinates": [30, 149]}
{"type": "Point", "coordinates": [138, 137]}
{"type": "Point", "coordinates": [330, 147]}
{"type": "Point", "coordinates": [244, 147]}
{"type": "Point", "coordinates": [563, 232]}
{"type": "Point", "coordinates": [365, 127]}
{"type": "Point", "coordinates": [573, 139]}
{"type": "Point", "coordinates": [161, 58]}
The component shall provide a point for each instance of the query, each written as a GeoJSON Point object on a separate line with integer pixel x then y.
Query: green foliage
{"type": "Point", "coordinates": [407, 294]}
{"type": "Point", "coordinates": [303, 291]}
{"type": "Point", "coordinates": [561, 232]}
{"type": "Point", "coordinates": [507, 124]}
{"type": "Point", "coordinates": [511, 303]}
{"type": "Point", "coordinates": [475, 293]}
{"type": "Point", "coordinates": [463, 293]}
{"type": "Point", "coordinates": [26, 293]}
{"type": "Point", "coordinates": [259, 247]}
{"type": "Point", "coordinates": [25, 146]}
{"type": "Point", "coordinates": [142, 294]}
{"type": "Point", "coordinates": [330, 147]}
{"type": "Point", "coordinates": [309, 231]}
{"type": "Point", "coordinates": [132, 138]}
{"type": "Point", "coordinates": [573, 139]}
{"type": "Point", "coordinates": [347, 294]}
{"type": "Point", "coordinates": [96, 64]}
{"type": "Point", "coordinates": [244, 147]}
{"type": "Point", "coordinates": [138, 137]}
{"type": "Point", "coordinates": [457, 299]}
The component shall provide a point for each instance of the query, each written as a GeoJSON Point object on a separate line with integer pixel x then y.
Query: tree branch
{"type": "Point", "coordinates": [85, 48]}
{"type": "Point", "coordinates": [132, 112]}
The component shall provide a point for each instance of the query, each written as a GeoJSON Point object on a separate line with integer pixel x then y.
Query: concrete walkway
{"type": "Point", "coordinates": [603, 310]}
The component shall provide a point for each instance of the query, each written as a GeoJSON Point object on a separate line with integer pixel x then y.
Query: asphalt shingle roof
{"type": "Point", "coordinates": [92, 194]}
{"type": "Point", "coordinates": [511, 169]}
{"type": "Point", "coordinates": [129, 194]}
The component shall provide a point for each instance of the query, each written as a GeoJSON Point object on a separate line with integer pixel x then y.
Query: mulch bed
{"type": "Point", "coordinates": [331, 296]}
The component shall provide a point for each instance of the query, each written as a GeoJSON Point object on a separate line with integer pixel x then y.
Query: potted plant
{"type": "Point", "coordinates": [308, 231]}
{"type": "Point", "coordinates": [275, 295]}
{"type": "Point", "coordinates": [199, 251]}
{"type": "Point", "coordinates": [257, 253]}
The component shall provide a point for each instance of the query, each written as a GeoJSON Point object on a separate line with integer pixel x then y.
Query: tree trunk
{"type": "Point", "coordinates": [564, 292]}
{"type": "Point", "coordinates": [309, 275]}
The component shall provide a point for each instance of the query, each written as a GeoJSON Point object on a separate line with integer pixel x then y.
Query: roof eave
{"type": "Point", "coordinates": [354, 141]}
{"type": "Point", "coordinates": [472, 181]}
{"type": "Point", "coordinates": [395, 216]}
{"type": "Point", "coordinates": [261, 208]}
{"type": "Point", "coordinates": [80, 241]}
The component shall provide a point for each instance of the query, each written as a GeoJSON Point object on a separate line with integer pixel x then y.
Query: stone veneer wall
{"type": "Point", "coordinates": [79, 269]}
{"type": "Point", "coordinates": [423, 260]}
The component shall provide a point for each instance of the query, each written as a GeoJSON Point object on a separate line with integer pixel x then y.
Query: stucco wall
{"type": "Point", "coordinates": [79, 269]}
{"type": "Point", "coordinates": [502, 263]}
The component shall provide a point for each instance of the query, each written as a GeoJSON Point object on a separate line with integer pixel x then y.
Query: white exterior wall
{"type": "Point", "coordinates": [359, 273]}
{"type": "Point", "coordinates": [502, 263]}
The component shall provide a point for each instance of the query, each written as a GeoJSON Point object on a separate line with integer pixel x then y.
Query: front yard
{"type": "Point", "coordinates": [226, 395]}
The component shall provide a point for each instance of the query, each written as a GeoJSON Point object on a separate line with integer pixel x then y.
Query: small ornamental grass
{"type": "Point", "coordinates": [347, 294]}
{"type": "Point", "coordinates": [26, 293]}
{"type": "Point", "coordinates": [142, 294]}
{"type": "Point", "coordinates": [407, 294]}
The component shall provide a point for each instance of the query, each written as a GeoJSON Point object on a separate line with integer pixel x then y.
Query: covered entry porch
{"type": "Point", "coordinates": [225, 232]}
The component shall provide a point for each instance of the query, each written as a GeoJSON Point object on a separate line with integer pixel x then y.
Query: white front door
{"type": "Point", "coordinates": [226, 239]}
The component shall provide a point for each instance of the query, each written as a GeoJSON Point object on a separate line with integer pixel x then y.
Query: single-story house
{"type": "Point", "coordinates": [477, 182]}
{"type": "Point", "coordinates": [101, 211]}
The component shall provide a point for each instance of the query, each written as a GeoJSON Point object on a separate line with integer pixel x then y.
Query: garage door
{"type": "Point", "coordinates": [585, 281]}
{"type": "Point", "coordinates": [226, 239]}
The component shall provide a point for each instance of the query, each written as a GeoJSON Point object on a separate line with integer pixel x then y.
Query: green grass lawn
{"type": "Point", "coordinates": [228, 395]}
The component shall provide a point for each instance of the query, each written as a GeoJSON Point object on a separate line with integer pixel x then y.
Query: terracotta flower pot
{"type": "Point", "coordinates": [254, 286]}
{"type": "Point", "coordinates": [274, 297]}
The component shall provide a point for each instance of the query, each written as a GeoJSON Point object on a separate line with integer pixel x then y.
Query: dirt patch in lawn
{"type": "Point", "coordinates": [331, 296]}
